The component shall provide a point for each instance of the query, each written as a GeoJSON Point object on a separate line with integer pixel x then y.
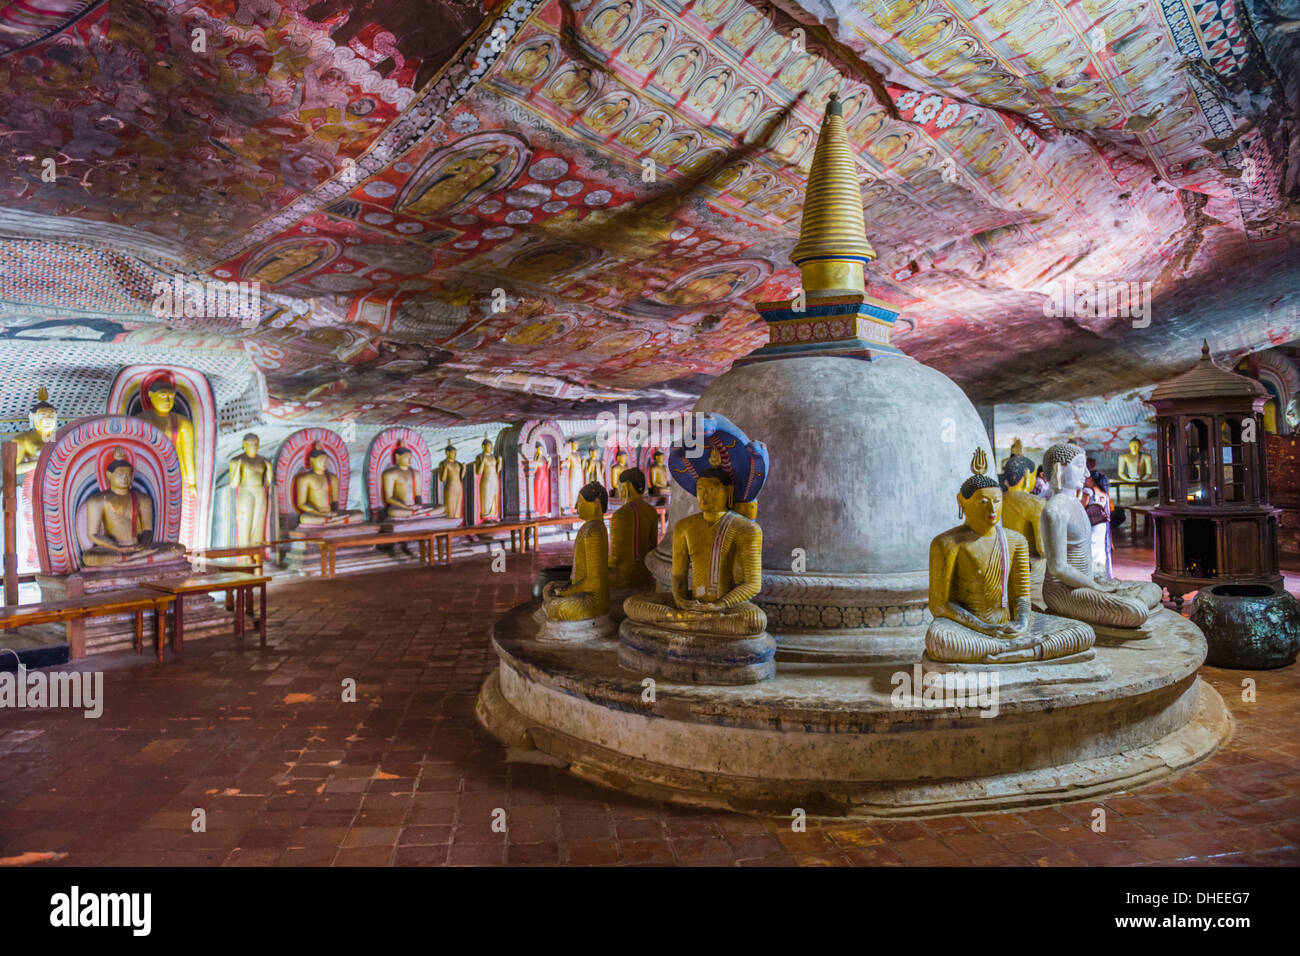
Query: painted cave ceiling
{"type": "Point", "coordinates": [493, 211]}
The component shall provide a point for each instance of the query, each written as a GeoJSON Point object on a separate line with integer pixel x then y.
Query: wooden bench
{"type": "Point", "coordinates": [242, 584]}
{"type": "Point", "coordinates": [127, 601]}
{"type": "Point", "coordinates": [330, 547]}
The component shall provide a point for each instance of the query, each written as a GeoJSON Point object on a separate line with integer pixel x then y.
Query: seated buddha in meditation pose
{"type": "Point", "coordinates": [979, 589]}
{"type": "Point", "coordinates": [633, 533]}
{"type": "Point", "coordinates": [586, 596]}
{"type": "Point", "coordinates": [717, 569]}
{"type": "Point", "coordinates": [316, 494]}
{"type": "Point", "coordinates": [399, 484]}
{"type": "Point", "coordinates": [660, 481]}
{"type": "Point", "coordinates": [1070, 587]}
{"type": "Point", "coordinates": [1136, 464]}
{"type": "Point", "coordinates": [119, 520]}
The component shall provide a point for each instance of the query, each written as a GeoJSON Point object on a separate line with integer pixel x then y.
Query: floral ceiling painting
{"type": "Point", "coordinates": [464, 212]}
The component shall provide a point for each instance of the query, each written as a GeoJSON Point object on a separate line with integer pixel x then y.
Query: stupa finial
{"type": "Point", "coordinates": [1205, 348]}
{"type": "Point", "coordinates": [832, 248]}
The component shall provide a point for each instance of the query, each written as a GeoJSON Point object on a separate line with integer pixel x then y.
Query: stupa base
{"type": "Point", "coordinates": [843, 740]}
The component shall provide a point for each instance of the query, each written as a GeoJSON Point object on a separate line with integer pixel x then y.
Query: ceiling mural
{"type": "Point", "coordinates": [460, 212]}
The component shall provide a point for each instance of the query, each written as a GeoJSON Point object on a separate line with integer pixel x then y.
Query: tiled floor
{"type": "Point", "coordinates": [286, 772]}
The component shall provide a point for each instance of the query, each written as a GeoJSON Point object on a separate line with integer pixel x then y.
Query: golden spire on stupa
{"type": "Point", "coordinates": [832, 248]}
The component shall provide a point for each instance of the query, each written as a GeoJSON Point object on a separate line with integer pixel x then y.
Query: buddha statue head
{"type": "Point", "coordinates": [162, 396]}
{"type": "Point", "coordinates": [1066, 467]}
{"type": "Point", "coordinates": [450, 451]}
{"type": "Point", "coordinates": [120, 473]}
{"type": "Point", "coordinates": [713, 492]}
{"type": "Point", "coordinates": [573, 448]}
{"type": "Point", "coordinates": [659, 458]}
{"type": "Point", "coordinates": [539, 452]}
{"type": "Point", "coordinates": [318, 461]}
{"type": "Point", "coordinates": [1019, 473]}
{"type": "Point", "coordinates": [402, 456]}
{"type": "Point", "coordinates": [593, 499]}
{"type": "Point", "coordinates": [1134, 446]}
{"type": "Point", "coordinates": [1017, 449]}
{"type": "Point", "coordinates": [631, 484]}
{"type": "Point", "coordinates": [252, 444]}
{"type": "Point", "coordinates": [621, 458]}
{"type": "Point", "coordinates": [43, 417]}
{"type": "Point", "coordinates": [486, 445]}
{"type": "Point", "coordinates": [980, 497]}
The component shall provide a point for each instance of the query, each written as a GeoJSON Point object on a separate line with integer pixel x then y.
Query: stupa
{"type": "Point", "coordinates": [868, 449]}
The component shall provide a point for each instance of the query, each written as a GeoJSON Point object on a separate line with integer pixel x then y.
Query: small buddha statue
{"type": "Point", "coordinates": [250, 484]}
{"type": "Point", "coordinates": [487, 472]}
{"type": "Point", "coordinates": [586, 596]}
{"type": "Point", "coordinates": [616, 470]}
{"type": "Point", "coordinates": [316, 494]}
{"type": "Point", "coordinates": [399, 485]}
{"type": "Point", "coordinates": [717, 569]}
{"type": "Point", "coordinates": [1135, 465]}
{"type": "Point", "coordinates": [44, 421]}
{"type": "Point", "coordinates": [574, 477]}
{"type": "Point", "coordinates": [1070, 587]}
{"type": "Point", "coordinates": [539, 467]}
{"type": "Point", "coordinates": [159, 411]}
{"type": "Point", "coordinates": [979, 589]}
{"type": "Point", "coordinates": [452, 475]}
{"type": "Point", "coordinates": [119, 522]}
{"type": "Point", "coordinates": [660, 481]}
{"type": "Point", "coordinates": [633, 534]}
{"type": "Point", "coordinates": [591, 467]}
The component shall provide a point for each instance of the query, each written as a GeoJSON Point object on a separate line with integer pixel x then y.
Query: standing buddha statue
{"type": "Point", "coordinates": [452, 475]}
{"type": "Point", "coordinates": [487, 472]}
{"type": "Point", "coordinates": [44, 421]}
{"type": "Point", "coordinates": [250, 486]}
{"type": "Point", "coordinates": [574, 477]}
{"type": "Point", "coordinates": [159, 410]}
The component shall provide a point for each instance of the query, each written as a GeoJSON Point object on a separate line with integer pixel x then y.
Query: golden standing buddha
{"type": "Point", "coordinates": [250, 484]}
{"type": "Point", "coordinates": [487, 471]}
{"type": "Point", "coordinates": [452, 475]}
{"type": "Point", "coordinates": [159, 410]}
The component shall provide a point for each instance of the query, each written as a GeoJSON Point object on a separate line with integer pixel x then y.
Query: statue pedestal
{"type": "Point", "coordinates": [844, 739]}
{"type": "Point", "coordinates": [565, 632]}
{"type": "Point", "coordinates": [203, 617]}
{"type": "Point", "coordinates": [1078, 668]}
{"type": "Point", "coordinates": [299, 558]}
{"type": "Point", "coordinates": [651, 651]}
{"type": "Point", "coordinates": [429, 523]}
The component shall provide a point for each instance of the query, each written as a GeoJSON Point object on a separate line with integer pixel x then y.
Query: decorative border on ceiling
{"type": "Point", "coordinates": [456, 80]}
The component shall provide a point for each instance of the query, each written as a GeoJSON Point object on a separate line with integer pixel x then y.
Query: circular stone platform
{"type": "Point", "coordinates": [844, 739]}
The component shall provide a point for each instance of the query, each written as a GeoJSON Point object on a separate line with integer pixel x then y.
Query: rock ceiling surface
{"type": "Point", "coordinates": [462, 213]}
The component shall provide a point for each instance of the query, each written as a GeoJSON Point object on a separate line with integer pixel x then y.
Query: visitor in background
{"type": "Point", "coordinates": [1096, 503]}
{"type": "Point", "coordinates": [1099, 477]}
{"type": "Point", "coordinates": [1041, 488]}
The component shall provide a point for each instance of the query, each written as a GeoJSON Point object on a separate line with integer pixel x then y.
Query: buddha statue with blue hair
{"type": "Point", "coordinates": [707, 629]}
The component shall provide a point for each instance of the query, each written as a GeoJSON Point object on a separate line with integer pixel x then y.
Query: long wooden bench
{"type": "Point", "coordinates": [330, 547]}
{"type": "Point", "coordinates": [128, 601]}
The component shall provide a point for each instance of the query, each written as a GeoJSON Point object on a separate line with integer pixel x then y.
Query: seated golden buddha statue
{"type": "Point", "coordinates": [1021, 510]}
{"type": "Point", "coordinates": [399, 484]}
{"type": "Point", "coordinates": [660, 481]}
{"type": "Point", "coordinates": [316, 494]}
{"type": "Point", "coordinates": [1070, 587]}
{"type": "Point", "coordinates": [44, 420]}
{"type": "Point", "coordinates": [616, 470]}
{"type": "Point", "coordinates": [1136, 464]}
{"type": "Point", "coordinates": [633, 534]}
{"type": "Point", "coordinates": [717, 569]}
{"type": "Point", "coordinates": [586, 596]}
{"type": "Point", "coordinates": [119, 520]}
{"type": "Point", "coordinates": [979, 589]}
